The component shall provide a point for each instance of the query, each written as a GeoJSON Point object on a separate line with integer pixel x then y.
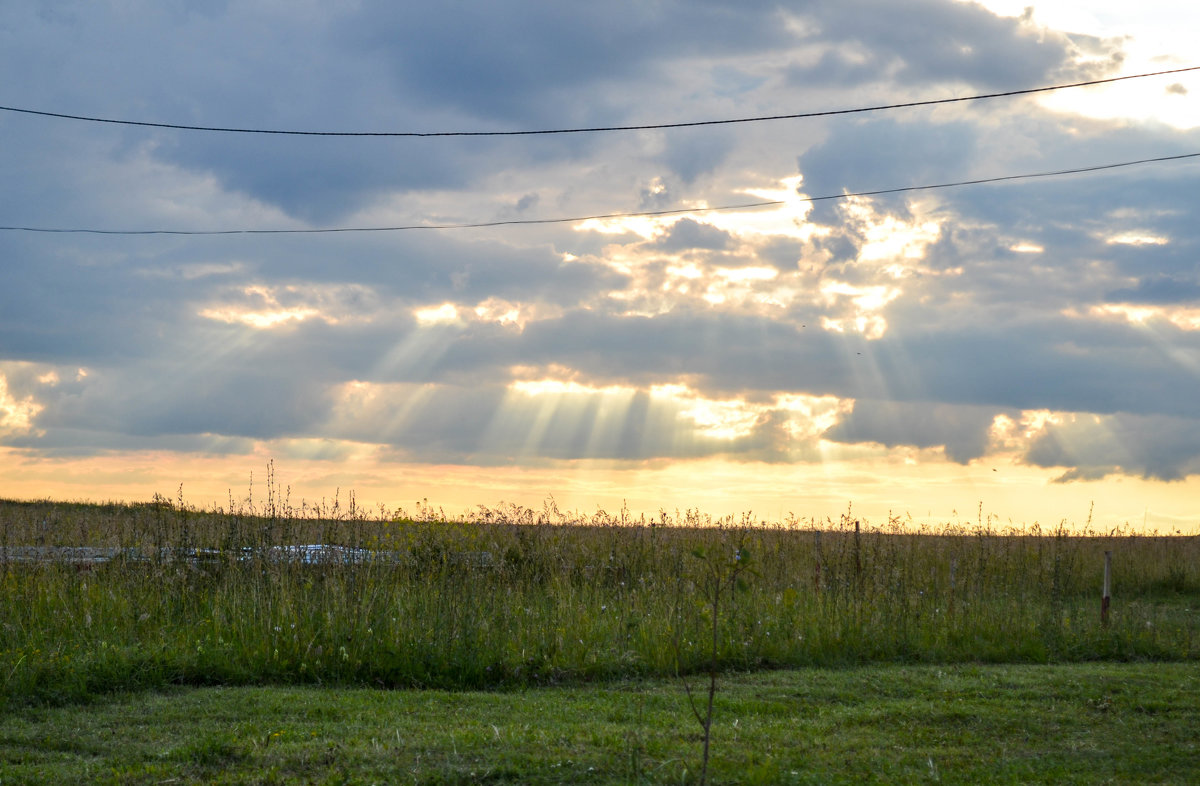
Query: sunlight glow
{"type": "Point", "coordinates": [1002, 432]}
{"type": "Point", "coordinates": [1154, 35]}
{"type": "Point", "coordinates": [1019, 494]}
{"type": "Point", "coordinates": [872, 327]}
{"type": "Point", "coordinates": [689, 271]}
{"type": "Point", "coordinates": [376, 410]}
{"type": "Point", "coordinates": [556, 416]}
{"type": "Point", "coordinates": [260, 320]}
{"type": "Point", "coordinates": [263, 308]}
{"type": "Point", "coordinates": [1026, 248]}
{"type": "Point", "coordinates": [504, 313]}
{"type": "Point", "coordinates": [1181, 317]}
{"type": "Point", "coordinates": [787, 219]}
{"type": "Point", "coordinates": [726, 420]}
{"type": "Point", "coordinates": [866, 301]}
{"type": "Point", "coordinates": [892, 239]}
{"type": "Point", "coordinates": [648, 227]}
{"type": "Point", "coordinates": [662, 278]}
{"type": "Point", "coordinates": [557, 387]}
{"type": "Point", "coordinates": [739, 275]}
{"type": "Point", "coordinates": [16, 416]}
{"type": "Point", "coordinates": [444, 314]}
{"type": "Point", "coordinates": [1011, 437]}
{"type": "Point", "coordinates": [1135, 239]}
{"type": "Point", "coordinates": [1014, 435]}
{"type": "Point", "coordinates": [810, 416]}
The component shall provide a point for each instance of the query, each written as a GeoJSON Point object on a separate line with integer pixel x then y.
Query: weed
{"type": "Point", "coordinates": [102, 598]}
{"type": "Point", "coordinates": [722, 571]}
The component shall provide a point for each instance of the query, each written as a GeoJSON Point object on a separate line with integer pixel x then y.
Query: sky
{"type": "Point", "coordinates": [1023, 351]}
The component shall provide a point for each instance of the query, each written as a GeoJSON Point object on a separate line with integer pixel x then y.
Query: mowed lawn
{"type": "Point", "coordinates": [1070, 723]}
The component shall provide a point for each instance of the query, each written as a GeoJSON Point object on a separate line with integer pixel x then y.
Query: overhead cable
{"type": "Point", "coordinates": [604, 216]}
{"type": "Point", "coordinates": [594, 129]}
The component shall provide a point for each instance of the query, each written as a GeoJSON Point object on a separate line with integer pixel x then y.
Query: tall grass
{"type": "Point", "coordinates": [517, 596]}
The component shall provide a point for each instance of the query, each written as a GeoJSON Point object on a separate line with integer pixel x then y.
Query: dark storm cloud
{"type": "Point", "coordinates": [930, 42]}
{"type": "Point", "coordinates": [543, 61]}
{"type": "Point", "coordinates": [1049, 363]}
{"type": "Point", "coordinates": [249, 67]}
{"type": "Point", "coordinates": [962, 430]}
{"type": "Point", "coordinates": [65, 443]}
{"type": "Point", "coordinates": [383, 67]}
{"type": "Point", "coordinates": [1053, 363]}
{"type": "Point", "coordinates": [687, 234]}
{"type": "Point", "coordinates": [69, 305]}
{"type": "Point", "coordinates": [539, 64]}
{"type": "Point", "coordinates": [1159, 289]}
{"type": "Point", "coordinates": [861, 156]}
{"type": "Point", "coordinates": [782, 253]}
{"type": "Point", "coordinates": [1092, 448]}
{"type": "Point", "coordinates": [426, 268]}
{"type": "Point", "coordinates": [693, 153]}
{"type": "Point", "coordinates": [319, 183]}
{"type": "Point", "coordinates": [248, 394]}
{"type": "Point", "coordinates": [96, 301]}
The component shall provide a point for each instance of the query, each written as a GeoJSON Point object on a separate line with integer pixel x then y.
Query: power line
{"type": "Point", "coordinates": [594, 129]}
{"type": "Point", "coordinates": [604, 216]}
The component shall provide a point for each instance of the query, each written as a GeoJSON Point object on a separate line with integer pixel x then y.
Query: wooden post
{"type": "Point", "coordinates": [817, 563]}
{"type": "Point", "coordinates": [1105, 598]}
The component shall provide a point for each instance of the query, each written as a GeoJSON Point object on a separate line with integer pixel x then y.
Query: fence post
{"type": "Point", "coordinates": [1105, 598]}
{"type": "Point", "coordinates": [817, 562]}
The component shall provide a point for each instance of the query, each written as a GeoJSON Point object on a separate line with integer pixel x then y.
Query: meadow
{"type": "Point", "coordinates": [1078, 723]}
{"type": "Point", "coordinates": [516, 597]}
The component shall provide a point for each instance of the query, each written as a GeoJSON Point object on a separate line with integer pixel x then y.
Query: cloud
{"type": "Point", "coordinates": [961, 430]}
{"type": "Point", "coordinates": [653, 338]}
{"type": "Point", "coordinates": [861, 156]}
{"type": "Point", "coordinates": [688, 233]}
{"type": "Point", "coordinates": [543, 60]}
{"type": "Point", "coordinates": [1158, 289]}
{"type": "Point", "coordinates": [1091, 447]}
{"type": "Point", "coordinates": [932, 42]}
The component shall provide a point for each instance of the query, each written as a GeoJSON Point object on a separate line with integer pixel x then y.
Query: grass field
{"type": "Point", "coordinates": [1075, 723]}
{"type": "Point", "coordinates": [602, 609]}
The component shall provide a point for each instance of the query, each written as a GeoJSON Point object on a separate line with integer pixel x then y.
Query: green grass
{"type": "Point", "coordinates": [1074, 723]}
{"type": "Point", "coordinates": [549, 649]}
{"type": "Point", "coordinates": [556, 601]}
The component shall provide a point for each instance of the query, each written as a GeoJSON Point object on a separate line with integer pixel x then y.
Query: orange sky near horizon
{"type": "Point", "coordinates": [949, 494]}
